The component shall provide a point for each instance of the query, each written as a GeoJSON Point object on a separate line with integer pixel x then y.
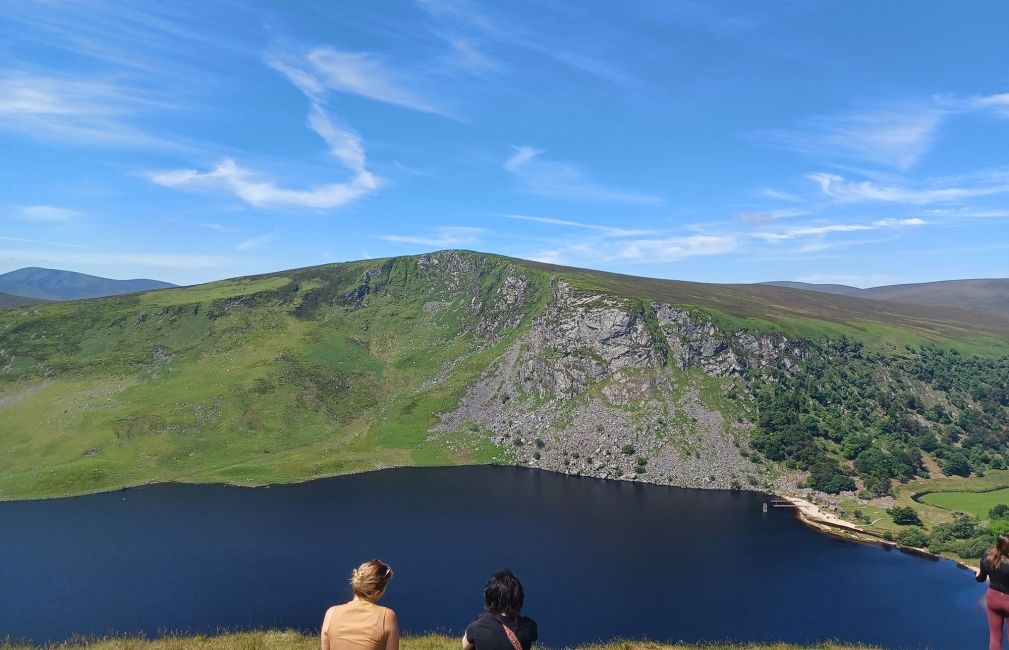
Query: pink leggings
{"type": "Point", "coordinates": [998, 610]}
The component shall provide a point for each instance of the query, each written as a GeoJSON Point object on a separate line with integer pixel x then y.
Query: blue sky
{"type": "Point", "coordinates": [857, 142]}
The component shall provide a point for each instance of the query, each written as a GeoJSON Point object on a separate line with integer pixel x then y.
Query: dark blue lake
{"type": "Point", "coordinates": [599, 559]}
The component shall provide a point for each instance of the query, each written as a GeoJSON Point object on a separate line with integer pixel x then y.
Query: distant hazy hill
{"type": "Point", "coordinates": [460, 357]}
{"type": "Point", "coordinates": [10, 300]}
{"type": "Point", "coordinates": [839, 289]}
{"type": "Point", "coordinates": [979, 295]}
{"type": "Point", "coordinates": [53, 284]}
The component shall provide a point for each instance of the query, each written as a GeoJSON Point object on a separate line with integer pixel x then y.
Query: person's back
{"type": "Point", "coordinates": [363, 624]}
{"type": "Point", "coordinates": [501, 626]}
{"type": "Point", "coordinates": [357, 625]}
{"type": "Point", "coordinates": [994, 567]}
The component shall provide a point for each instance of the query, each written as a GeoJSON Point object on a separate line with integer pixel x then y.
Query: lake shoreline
{"type": "Point", "coordinates": [806, 511]}
{"type": "Point", "coordinates": [824, 522]}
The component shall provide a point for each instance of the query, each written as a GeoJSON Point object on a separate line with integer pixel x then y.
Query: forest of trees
{"type": "Point", "coordinates": [854, 414]}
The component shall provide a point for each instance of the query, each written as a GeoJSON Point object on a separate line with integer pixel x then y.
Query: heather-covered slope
{"type": "Point", "coordinates": [989, 295]}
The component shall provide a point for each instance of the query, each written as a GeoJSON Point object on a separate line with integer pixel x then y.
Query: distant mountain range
{"type": "Point", "coordinates": [53, 284]}
{"type": "Point", "coordinates": [990, 295]}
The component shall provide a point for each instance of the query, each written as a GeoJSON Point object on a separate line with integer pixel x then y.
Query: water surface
{"type": "Point", "coordinates": [599, 559]}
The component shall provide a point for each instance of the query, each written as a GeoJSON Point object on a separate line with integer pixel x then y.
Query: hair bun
{"type": "Point", "coordinates": [370, 579]}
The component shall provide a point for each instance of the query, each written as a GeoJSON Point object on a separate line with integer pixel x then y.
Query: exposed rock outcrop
{"type": "Point", "coordinates": [600, 387]}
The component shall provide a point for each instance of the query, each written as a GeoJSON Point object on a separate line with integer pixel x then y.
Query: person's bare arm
{"type": "Point", "coordinates": [466, 644]}
{"type": "Point", "coordinates": [391, 631]}
{"type": "Point", "coordinates": [324, 637]}
{"type": "Point", "coordinates": [982, 575]}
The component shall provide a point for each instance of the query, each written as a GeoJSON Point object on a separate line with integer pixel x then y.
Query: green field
{"type": "Point", "coordinates": [973, 503]}
{"type": "Point", "coordinates": [299, 641]}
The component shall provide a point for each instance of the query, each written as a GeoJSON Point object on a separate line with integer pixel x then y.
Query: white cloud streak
{"type": "Point", "coordinates": [252, 187]}
{"type": "Point", "coordinates": [897, 138]}
{"type": "Point", "coordinates": [84, 111]}
{"type": "Point", "coordinates": [672, 249]}
{"type": "Point", "coordinates": [844, 191]}
{"type": "Point", "coordinates": [254, 242]}
{"type": "Point", "coordinates": [48, 213]}
{"type": "Point", "coordinates": [443, 237]}
{"type": "Point", "coordinates": [152, 260]}
{"type": "Point", "coordinates": [826, 229]}
{"type": "Point", "coordinates": [367, 75]}
{"type": "Point", "coordinates": [561, 180]}
{"type": "Point", "coordinates": [606, 230]}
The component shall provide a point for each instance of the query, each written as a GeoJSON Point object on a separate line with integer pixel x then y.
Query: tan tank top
{"type": "Point", "coordinates": [357, 625]}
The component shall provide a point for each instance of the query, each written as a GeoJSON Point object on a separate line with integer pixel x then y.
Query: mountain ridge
{"type": "Point", "coordinates": [980, 294]}
{"type": "Point", "coordinates": [460, 357]}
{"type": "Point", "coordinates": [56, 284]}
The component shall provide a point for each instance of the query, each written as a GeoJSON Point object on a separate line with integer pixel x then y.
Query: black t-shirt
{"type": "Point", "coordinates": [998, 579]}
{"type": "Point", "coordinates": [486, 632]}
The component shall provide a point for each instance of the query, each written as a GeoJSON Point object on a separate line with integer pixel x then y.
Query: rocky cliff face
{"type": "Point", "coordinates": [618, 388]}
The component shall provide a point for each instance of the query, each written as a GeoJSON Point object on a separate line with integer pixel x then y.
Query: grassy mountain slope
{"type": "Point", "coordinates": [987, 295]}
{"type": "Point", "coordinates": [809, 313]}
{"type": "Point", "coordinates": [460, 357]}
{"type": "Point", "coordinates": [841, 289]}
{"type": "Point", "coordinates": [312, 372]}
{"type": "Point", "coordinates": [10, 300]}
{"type": "Point", "coordinates": [981, 295]}
{"type": "Point", "coordinates": [53, 284]}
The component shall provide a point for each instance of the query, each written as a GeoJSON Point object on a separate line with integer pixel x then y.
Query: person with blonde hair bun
{"type": "Point", "coordinates": [363, 624]}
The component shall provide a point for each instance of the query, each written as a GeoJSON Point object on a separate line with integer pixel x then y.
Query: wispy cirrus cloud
{"type": "Point", "coordinates": [255, 242]}
{"type": "Point", "coordinates": [896, 138]}
{"type": "Point", "coordinates": [88, 111]}
{"type": "Point", "coordinates": [460, 20]}
{"type": "Point", "coordinates": [441, 237]}
{"type": "Point", "coordinates": [610, 231]}
{"type": "Point", "coordinates": [564, 180]}
{"type": "Point", "coordinates": [179, 261]}
{"type": "Point", "coordinates": [765, 216]}
{"type": "Point", "coordinates": [842, 190]}
{"type": "Point", "coordinates": [997, 103]}
{"type": "Point", "coordinates": [771, 193]}
{"type": "Point", "coordinates": [672, 249]}
{"type": "Point", "coordinates": [644, 250]}
{"type": "Point", "coordinates": [724, 239]}
{"type": "Point", "coordinates": [368, 75]}
{"type": "Point", "coordinates": [826, 229]}
{"type": "Point", "coordinates": [47, 213]}
{"type": "Point", "coordinates": [255, 189]}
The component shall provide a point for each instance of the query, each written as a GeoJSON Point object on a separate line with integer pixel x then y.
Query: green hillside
{"type": "Point", "coordinates": [307, 373]}
{"type": "Point", "coordinates": [350, 367]}
{"type": "Point", "coordinates": [10, 300]}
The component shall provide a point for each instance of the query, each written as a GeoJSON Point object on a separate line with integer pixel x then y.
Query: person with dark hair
{"type": "Point", "coordinates": [995, 568]}
{"type": "Point", "coordinates": [501, 626]}
{"type": "Point", "coordinates": [363, 624]}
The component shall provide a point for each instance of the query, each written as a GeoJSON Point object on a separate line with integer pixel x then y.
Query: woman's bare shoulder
{"type": "Point", "coordinates": [336, 609]}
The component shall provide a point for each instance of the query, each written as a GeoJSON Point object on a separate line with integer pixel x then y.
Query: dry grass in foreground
{"type": "Point", "coordinates": [298, 641]}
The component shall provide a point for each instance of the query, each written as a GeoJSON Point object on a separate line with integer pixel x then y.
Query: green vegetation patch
{"type": "Point", "coordinates": [973, 503]}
